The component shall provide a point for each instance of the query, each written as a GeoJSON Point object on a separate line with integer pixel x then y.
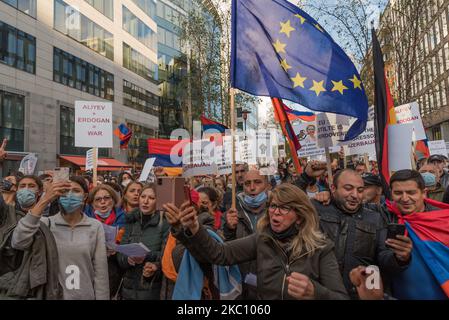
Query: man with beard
{"type": "Point", "coordinates": [359, 234]}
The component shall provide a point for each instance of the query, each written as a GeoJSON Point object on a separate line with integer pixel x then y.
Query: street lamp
{"type": "Point", "coordinates": [245, 114]}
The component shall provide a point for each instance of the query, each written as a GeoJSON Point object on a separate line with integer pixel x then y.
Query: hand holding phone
{"type": "Point", "coordinates": [394, 230]}
{"type": "Point", "coordinates": [61, 175]}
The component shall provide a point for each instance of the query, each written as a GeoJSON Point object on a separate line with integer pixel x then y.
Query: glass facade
{"type": "Point", "coordinates": [79, 74]}
{"type": "Point", "coordinates": [12, 119]}
{"type": "Point", "coordinates": [140, 99]}
{"type": "Point", "coordinates": [67, 135]}
{"type": "Point", "coordinates": [170, 14]}
{"type": "Point", "coordinates": [138, 63]}
{"type": "Point", "coordinates": [106, 7]}
{"type": "Point", "coordinates": [138, 146]}
{"type": "Point", "coordinates": [17, 48]}
{"type": "Point", "coordinates": [72, 23]}
{"type": "Point", "coordinates": [26, 6]}
{"type": "Point", "coordinates": [147, 6]}
{"type": "Point", "coordinates": [138, 29]}
{"type": "Point", "coordinates": [168, 38]}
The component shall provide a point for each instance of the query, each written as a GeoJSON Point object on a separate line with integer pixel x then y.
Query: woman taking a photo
{"type": "Point", "coordinates": [142, 279]}
{"type": "Point", "coordinates": [294, 260]}
{"type": "Point", "coordinates": [79, 239]}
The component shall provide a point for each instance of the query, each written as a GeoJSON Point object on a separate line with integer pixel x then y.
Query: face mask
{"type": "Point", "coordinates": [26, 198]}
{"type": "Point", "coordinates": [257, 201]}
{"type": "Point", "coordinates": [71, 202]}
{"type": "Point", "coordinates": [103, 215]}
{"type": "Point", "coordinates": [125, 183]}
{"type": "Point", "coordinates": [429, 179]}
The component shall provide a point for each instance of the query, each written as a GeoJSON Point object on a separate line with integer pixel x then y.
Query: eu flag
{"type": "Point", "coordinates": [280, 51]}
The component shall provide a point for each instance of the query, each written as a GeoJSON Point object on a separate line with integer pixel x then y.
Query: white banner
{"type": "Point", "coordinates": [365, 143]}
{"type": "Point", "coordinates": [90, 158]}
{"type": "Point", "coordinates": [147, 169]}
{"type": "Point", "coordinates": [28, 164]}
{"type": "Point", "coordinates": [409, 113]}
{"type": "Point", "coordinates": [93, 124]}
{"type": "Point", "coordinates": [400, 146]}
{"type": "Point", "coordinates": [331, 128]}
{"type": "Point", "coordinates": [438, 148]}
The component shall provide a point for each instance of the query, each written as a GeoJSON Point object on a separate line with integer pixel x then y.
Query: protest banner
{"type": "Point", "coordinates": [91, 159]}
{"type": "Point", "coordinates": [365, 143]}
{"type": "Point", "coordinates": [93, 124]}
{"type": "Point", "coordinates": [409, 113]}
{"type": "Point", "coordinates": [400, 146]}
{"type": "Point", "coordinates": [438, 147]}
{"type": "Point", "coordinates": [28, 164]}
{"type": "Point", "coordinates": [331, 128]}
{"type": "Point", "coordinates": [147, 169]}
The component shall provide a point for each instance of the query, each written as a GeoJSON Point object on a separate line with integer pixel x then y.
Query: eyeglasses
{"type": "Point", "coordinates": [100, 199]}
{"type": "Point", "coordinates": [283, 210]}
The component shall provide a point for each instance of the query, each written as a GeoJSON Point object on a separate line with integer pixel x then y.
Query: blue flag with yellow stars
{"type": "Point", "coordinates": [279, 51]}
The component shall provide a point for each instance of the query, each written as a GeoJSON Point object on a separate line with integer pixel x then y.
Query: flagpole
{"type": "Point", "coordinates": [232, 107]}
{"type": "Point", "coordinates": [94, 170]}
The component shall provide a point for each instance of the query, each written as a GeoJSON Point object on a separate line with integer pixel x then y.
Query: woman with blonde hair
{"type": "Point", "coordinates": [294, 260]}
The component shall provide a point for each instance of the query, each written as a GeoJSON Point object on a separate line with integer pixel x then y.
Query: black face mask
{"type": "Point", "coordinates": [203, 209]}
{"type": "Point", "coordinates": [290, 232]}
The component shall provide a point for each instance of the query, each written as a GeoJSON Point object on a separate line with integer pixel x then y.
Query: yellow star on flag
{"type": "Point", "coordinates": [300, 17]}
{"type": "Point", "coordinates": [285, 65]}
{"type": "Point", "coordinates": [298, 81]}
{"type": "Point", "coordinates": [318, 87]}
{"type": "Point", "coordinates": [286, 28]}
{"type": "Point", "coordinates": [279, 46]}
{"type": "Point", "coordinates": [319, 28]}
{"type": "Point", "coordinates": [339, 86]}
{"type": "Point", "coordinates": [357, 83]}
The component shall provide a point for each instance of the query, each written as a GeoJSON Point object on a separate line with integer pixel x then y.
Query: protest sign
{"type": "Point", "coordinates": [400, 146]}
{"type": "Point", "coordinates": [93, 124]}
{"type": "Point", "coordinates": [91, 159]}
{"type": "Point", "coordinates": [147, 169]}
{"type": "Point", "coordinates": [365, 143]}
{"type": "Point", "coordinates": [28, 164]}
{"type": "Point", "coordinates": [409, 113]}
{"type": "Point", "coordinates": [331, 128]}
{"type": "Point", "coordinates": [438, 148]}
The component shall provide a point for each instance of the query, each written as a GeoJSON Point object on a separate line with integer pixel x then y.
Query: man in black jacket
{"type": "Point", "coordinates": [359, 234]}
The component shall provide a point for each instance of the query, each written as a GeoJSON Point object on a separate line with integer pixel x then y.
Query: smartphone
{"type": "Point", "coordinates": [169, 190]}
{"type": "Point", "coordinates": [394, 230]}
{"type": "Point", "coordinates": [188, 195]}
{"type": "Point", "coordinates": [61, 174]}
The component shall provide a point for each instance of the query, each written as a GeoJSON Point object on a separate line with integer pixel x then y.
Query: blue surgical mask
{"type": "Point", "coordinates": [429, 179]}
{"type": "Point", "coordinates": [71, 202]}
{"type": "Point", "coordinates": [26, 198]}
{"type": "Point", "coordinates": [103, 215]}
{"type": "Point", "coordinates": [256, 201]}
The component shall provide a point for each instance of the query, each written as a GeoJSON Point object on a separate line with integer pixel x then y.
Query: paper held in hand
{"type": "Point", "coordinates": [130, 250]}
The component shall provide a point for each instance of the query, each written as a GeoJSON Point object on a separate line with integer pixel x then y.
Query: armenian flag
{"type": "Point", "coordinates": [124, 134]}
{"type": "Point", "coordinates": [294, 115]}
{"type": "Point", "coordinates": [427, 277]}
{"type": "Point", "coordinates": [168, 153]}
{"type": "Point", "coordinates": [209, 124]}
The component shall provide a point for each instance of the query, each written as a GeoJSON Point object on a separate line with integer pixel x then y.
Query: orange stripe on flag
{"type": "Point", "coordinates": [445, 287]}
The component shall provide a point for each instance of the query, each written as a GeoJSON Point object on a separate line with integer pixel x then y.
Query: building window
{"type": "Point", "coordinates": [26, 6]}
{"type": "Point", "coordinates": [138, 29]}
{"type": "Point", "coordinates": [138, 146]}
{"type": "Point", "coordinates": [12, 118]}
{"type": "Point", "coordinates": [106, 7]}
{"type": "Point", "coordinates": [17, 48]}
{"type": "Point", "coordinates": [140, 99]}
{"type": "Point", "coordinates": [168, 38]}
{"type": "Point", "coordinates": [79, 74]}
{"type": "Point", "coordinates": [72, 23]}
{"type": "Point", "coordinates": [67, 135]}
{"type": "Point", "coordinates": [147, 6]}
{"type": "Point", "coordinates": [138, 63]}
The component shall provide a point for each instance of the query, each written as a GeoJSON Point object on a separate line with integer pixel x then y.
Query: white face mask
{"type": "Point", "coordinates": [125, 183]}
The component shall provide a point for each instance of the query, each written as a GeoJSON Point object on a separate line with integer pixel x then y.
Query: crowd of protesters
{"type": "Point", "coordinates": [289, 236]}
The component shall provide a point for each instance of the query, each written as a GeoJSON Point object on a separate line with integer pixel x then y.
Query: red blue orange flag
{"type": "Point", "coordinates": [299, 115]}
{"type": "Point", "coordinates": [209, 124]}
{"type": "Point", "coordinates": [124, 134]}
{"type": "Point", "coordinates": [427, 277]}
